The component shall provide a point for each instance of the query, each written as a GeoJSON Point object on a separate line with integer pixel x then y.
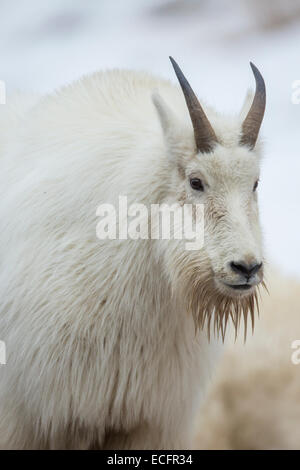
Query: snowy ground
{"type": "Point", "coordinates": [45, 44]}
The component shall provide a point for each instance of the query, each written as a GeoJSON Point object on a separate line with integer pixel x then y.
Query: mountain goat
{"type": "Point", "coordinates": [100, 333]}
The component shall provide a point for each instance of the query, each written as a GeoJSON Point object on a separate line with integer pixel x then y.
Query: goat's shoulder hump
{"type": "Point", "coordinates": [114, 85]}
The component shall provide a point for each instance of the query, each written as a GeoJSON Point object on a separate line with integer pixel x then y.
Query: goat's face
{"type": "Point", "coordinates": [226, 181]}
{"type": "Point", "coordinates": [222, 173]}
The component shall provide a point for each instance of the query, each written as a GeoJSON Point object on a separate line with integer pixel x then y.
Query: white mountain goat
{"type": "Point", "coordinates": [100, 334]}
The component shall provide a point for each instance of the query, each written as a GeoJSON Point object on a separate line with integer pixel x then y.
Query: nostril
{"type": "Point", "coordinates": [246, 269]}
{"type": "Point", "coordinates": [255, 268]}
{"type": "Point", "coordinates": [239, 267]}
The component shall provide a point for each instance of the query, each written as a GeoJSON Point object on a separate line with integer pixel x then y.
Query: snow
{"type": "Point", "coordinates": [47, 44]}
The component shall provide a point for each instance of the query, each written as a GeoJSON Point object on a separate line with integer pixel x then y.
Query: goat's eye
{"type": "Point", "coordinates": [255, 185]}
{"type": "Point", "coordinates": [196, 184]}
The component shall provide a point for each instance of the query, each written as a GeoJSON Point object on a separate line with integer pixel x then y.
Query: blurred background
{"type": "Point", "coordinates": [252, 403]}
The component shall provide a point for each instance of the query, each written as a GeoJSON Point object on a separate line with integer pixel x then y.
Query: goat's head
{"type": "Point", "coordinates": [216, 162]}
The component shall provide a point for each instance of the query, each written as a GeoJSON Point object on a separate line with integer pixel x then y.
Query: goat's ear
{"type": "Point", "coordinates": [247, 104]}
{"type": "Point", "coordinates": [170, 124]}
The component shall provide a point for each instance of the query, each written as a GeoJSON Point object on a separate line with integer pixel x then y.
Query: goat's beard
{"type": "Point", "coordinates": [211, 308]}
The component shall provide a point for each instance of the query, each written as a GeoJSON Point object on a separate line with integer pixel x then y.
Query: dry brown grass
{"type": "Point", "coordinates": [254, 401]}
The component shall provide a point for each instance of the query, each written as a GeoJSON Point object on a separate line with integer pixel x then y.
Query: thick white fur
{"type": "Point", "coordinates": [99, 352]}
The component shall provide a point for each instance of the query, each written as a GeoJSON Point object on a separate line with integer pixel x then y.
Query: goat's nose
{"type": "Point", "coordinates": [245, 269]}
